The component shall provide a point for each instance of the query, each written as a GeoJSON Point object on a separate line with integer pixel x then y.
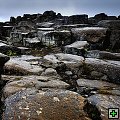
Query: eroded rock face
{"type": "Point", "coordinates": [111, 24]}
{"type": "Point", "coordinates": [95, 36]}
{"type": "Point", "coordinates": [49, 105]}
{"type": "Point", "coordinates": [103, 102]}
{"type": "Point", "coordinates": [107, 67]}
{"type": "Point", "coordinates": [91, 34]}
{"type": "Point", "coordinates": [114, 27]}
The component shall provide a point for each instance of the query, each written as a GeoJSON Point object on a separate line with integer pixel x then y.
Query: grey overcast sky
{"type": "Point", "coordinates": [65, 7]}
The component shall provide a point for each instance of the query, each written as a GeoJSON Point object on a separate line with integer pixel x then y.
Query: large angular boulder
{"type": "Point", "coordinates": [49, 105]}
{"type": "Point", "coordinates": [106, 67]}
{"type": "Point", "coordinates": [87, 87]}
{"type": "Point", "coordinates": [111, 24]}
{"type": "Point", "coordinates": [100, 16]}
{"type": "Point", "coordinates": [76, 48]}
{"type": "Point", "coordinates": [114, 27]}
{"type": "Point", "coordinates": [96, 36]}
{"type": "Point", "coordinates": [72, 62]}
{"type": "Point", "coordinates": [115, 39]}
{"type": "Point", "coordinates": [104, 102]}
{"type": "Point", "coordinates": [102, 55]}
{"type": "Point", "coordinates": [23, 66]}
{"type": "Point", "coordinates": [78, 19]}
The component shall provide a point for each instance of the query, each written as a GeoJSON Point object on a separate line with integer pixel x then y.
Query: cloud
{"type": "Point", "coordinates": [66, 7]}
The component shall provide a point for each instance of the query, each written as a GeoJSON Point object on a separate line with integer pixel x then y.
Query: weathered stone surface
{"type": "Point", "coordinates": [72, 62]}
{"type": "Point", "coordinates": [49, 105]}
{"type": "Point", "coordinates": [97, 37]}
{"type": "Point", "coordinates": [77, 19]}
{"type": "Point", "coordinates": [115, 39]}
{"type": "Point", "coordinates": [114, 26]}
{"type": "Point", "coordinates": [103, 102]}
{"type": "Point", "coordinates": [65, 58]}
{"type": "Point", "coordinates": [96, 84]}
{"type": "Point", "coordinates": [100, 16]}
{"type": "Point", "coordinates": [103, 55]}
{"type": "Point", "coordinates": [91, 34]}
{"type": "Point", "coordinates": [50, 72]}
{"type": "Point", "coordinates": [111, 24]}
{"type": "Point", "coordinates": [70, 26]}
{"type": "Point", "coordinates": [76, 48]}
{"type": "Point", "coordinates": [88, 87]}
{"type": "Point", "coordinates": [45, 24]}
{"type": "Point", "coordinates": [107, 67]}
{"type": "Point", "coordinates": [23, 66]}
{"type": "Point", "coordinates": [19, 83]}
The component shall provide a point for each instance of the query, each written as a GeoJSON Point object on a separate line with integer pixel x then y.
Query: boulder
{"type": "Point", "coordinates": [107, 67]}
{"type": "Point", "coordinates": [88, 87]}
{"type": "Point", "coordinates": [103, 55]}
{"type": "Point", "coordinates": [95, 36]}
{"type": "Point", "coordinates": [50, 72]}
{"type": "Point", "coordinates": [19, 83]}
{"type": "Point", "coordinates": [78, 19]}
{"type": "Point", "coordinates": [101, 16]}
{"type": "Point", "coordinates": [20, 66]}
{"type": "Point", "coordinates": [114, 27]}
{"type": "Point", "coordinates": [72, 62]}
{"type": "Point", "coordinates": [103, 102]}
{"type": "Point", "coordinates": [76, 48]}
{"type": "Point", "coordinates": [115, 39]}
{"type": "Point", "coordinates": [98, 84]}
{"type": "Point", "coordinates": [111, 24]}
{"type": "Point", "coordinates": [49, 105]}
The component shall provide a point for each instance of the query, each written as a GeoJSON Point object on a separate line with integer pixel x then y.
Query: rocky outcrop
{"type": "Point", "coordinates": [106, 67]}
{"type": "Point", "coordinates": [87, 87]}
{"type": "Point", "coordinates": [95, 36]}
{"type": "Point", "coordinates": [101, 16]}
{"type": "Point", "coordinates": [103, 102]}
{"type": "Point", "coordinates": [103, 55]}
{"type": "Point", "coordinates": [78, 19]}
{"type": "Point", "coordinates": [114, 27]}
{"type": "Point", "coordinates": [48, 105]}
{"type": "Point", "coordinates": [111, 24]}
{"type": "Point", "coordinates": [76, 48]}
{"type": "Point", "coordinates": [72, 62]}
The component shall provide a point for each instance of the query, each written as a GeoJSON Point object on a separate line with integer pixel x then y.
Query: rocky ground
{"type": "Point", "coordinates": [79, 81]}
{"type": "Point", "coordinates": [61, 86]}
